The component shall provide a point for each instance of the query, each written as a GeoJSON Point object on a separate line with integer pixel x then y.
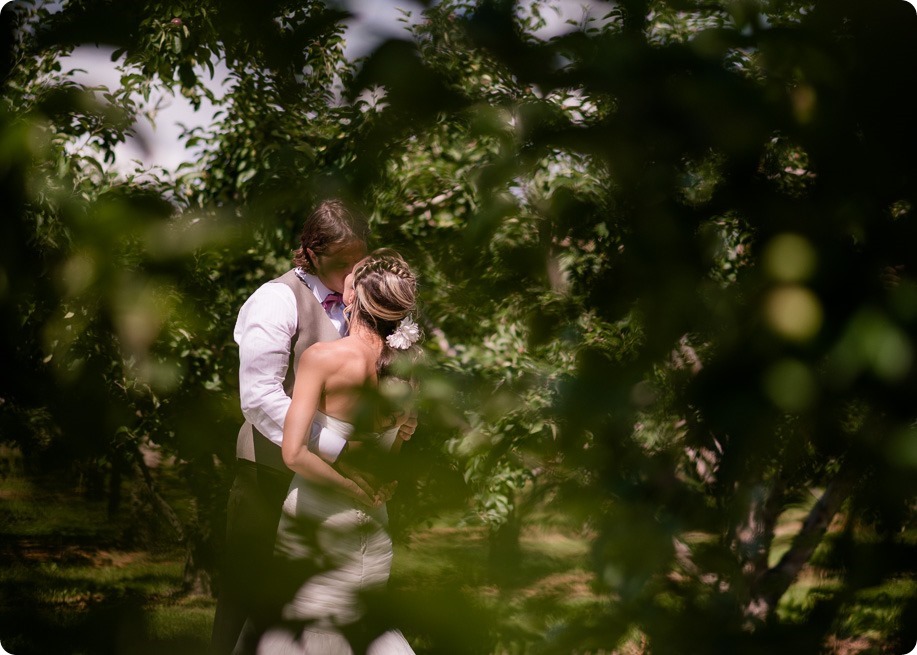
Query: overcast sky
{"type": "Point", "coordinates": [373, 22]}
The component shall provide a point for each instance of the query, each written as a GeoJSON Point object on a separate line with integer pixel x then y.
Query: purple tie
{"type": "Point", "coordinates": [331, 300]}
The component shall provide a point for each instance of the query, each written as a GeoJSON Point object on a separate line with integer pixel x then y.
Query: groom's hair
{"type": "Point", "coordinates": [330, 225]}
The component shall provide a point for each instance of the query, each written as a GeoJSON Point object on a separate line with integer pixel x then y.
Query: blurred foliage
{"type": "Point", "coordinates": [666, 266]}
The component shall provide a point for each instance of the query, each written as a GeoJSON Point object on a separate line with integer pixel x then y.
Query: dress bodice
{"type": "Point", "coordinates": [383, 440]}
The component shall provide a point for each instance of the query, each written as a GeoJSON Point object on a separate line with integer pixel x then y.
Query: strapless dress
{"type": "Point", "coordinates": [343, 550]}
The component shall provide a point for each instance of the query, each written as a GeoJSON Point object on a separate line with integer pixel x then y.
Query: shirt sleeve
{"type": "Point", "coordinates": [264, 332]}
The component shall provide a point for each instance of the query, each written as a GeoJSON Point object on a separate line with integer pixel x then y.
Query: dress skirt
{"type": "Point", "coordinates": [337, 550]}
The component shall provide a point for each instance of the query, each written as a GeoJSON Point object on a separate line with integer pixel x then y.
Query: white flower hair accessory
{"type": "Point", "coordinates": [405, 335]}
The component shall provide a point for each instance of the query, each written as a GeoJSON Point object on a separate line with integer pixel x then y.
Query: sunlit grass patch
{"type": "Point", "coordinates": [15, 487]}
{"type": "Point", "coordinates": [143, 575]}
{"type": "Point", "coordinates": [34, 509]}
{"type": "Point", "coordinates": [446, 555]}
{"type": "Point", "coordinates": [552, 582]}
{"type": "Point", "coordinates": [180, 620]}
{"type": "Point", "coordinates": [866, 616]}
{"type": "Point", "coordinates": [878, 611]}
{"type": "Point", "coordinates": [554, 543]}
{"type": "Point", "coordinates": [866, 619]}
{"type": "Point", "coordinates": [99, 580]}
{"type": "Point", "coordinates": [68, 579]}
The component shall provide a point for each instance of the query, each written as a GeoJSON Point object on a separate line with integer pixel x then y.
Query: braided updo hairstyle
{"type": "Point", "coordinates": [385, 291]}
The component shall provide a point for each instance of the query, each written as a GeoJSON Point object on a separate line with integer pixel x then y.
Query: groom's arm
{"type": "Point", "coordinates": [264, 332]}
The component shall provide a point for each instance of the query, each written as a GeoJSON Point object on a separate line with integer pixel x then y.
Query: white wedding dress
{"type": "Point", "coordinates": [347, 543]}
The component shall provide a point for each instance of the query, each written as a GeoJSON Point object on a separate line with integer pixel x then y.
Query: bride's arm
{"type": "Point", "coordinates": [314, 368]}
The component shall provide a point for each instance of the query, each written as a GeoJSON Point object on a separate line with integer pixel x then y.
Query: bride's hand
{"type": "Point", "coordinates": [365, 487]}
{"type": "Point", "coordinates": [359, 494]}
{"type": "Point", "coordinates": [385, 492]}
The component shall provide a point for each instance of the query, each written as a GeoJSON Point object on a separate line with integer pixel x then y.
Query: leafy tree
{"type": "Point", "coordinates": [655, 258]}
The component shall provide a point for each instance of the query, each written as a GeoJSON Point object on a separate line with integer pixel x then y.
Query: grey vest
{"type": "Point", "coordinates": [312, 326]}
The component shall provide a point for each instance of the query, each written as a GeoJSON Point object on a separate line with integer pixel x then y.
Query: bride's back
{"type": "Point", "coordinates": [353, 372]}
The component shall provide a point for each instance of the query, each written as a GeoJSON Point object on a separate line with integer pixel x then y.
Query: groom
{"type": "Point", "coordinates": [275, 325]}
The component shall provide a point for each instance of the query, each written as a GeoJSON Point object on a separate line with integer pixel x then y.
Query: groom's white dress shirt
{"type": "Point", "coordinates": [264, 331]}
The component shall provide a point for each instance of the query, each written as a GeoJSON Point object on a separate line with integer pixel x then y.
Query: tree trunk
{"type": "Point", "coordinates": [148, 496]}
{"type": "Point", "coordinates": [196, 579]}
{"type": "Point", "coordinates": [754, 535]}
{"type": "Point", "coordinates": [505, 551]}
{"type": "Point", "coordinates": [206, 527]}
{"type": "Point", "coordinates": [774, 582]}
{"type": "Point", "coordinates": [114, 489]}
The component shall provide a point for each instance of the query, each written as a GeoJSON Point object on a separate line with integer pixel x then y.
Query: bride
{"type": "Point", "coordinates": [333, 528]}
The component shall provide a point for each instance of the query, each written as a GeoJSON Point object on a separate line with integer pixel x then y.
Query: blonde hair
{"type": "Point", "coordinates": [385, 290]}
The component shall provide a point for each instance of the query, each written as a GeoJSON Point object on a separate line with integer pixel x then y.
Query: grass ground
{"type": "Point", "coordinates": [871, 614]}
{"type": "Point", "coordinates": [68, 585]}
{"type": "Point", "coordinates": [448, 567]}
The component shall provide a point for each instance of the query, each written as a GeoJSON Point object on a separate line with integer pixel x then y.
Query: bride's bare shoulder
{"type": "Point", "coordinates": [323, 353]}
{"type": "Point", "coordinates": [323, 347]}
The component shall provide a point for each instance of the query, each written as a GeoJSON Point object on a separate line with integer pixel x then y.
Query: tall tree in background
{"type": "Point", "coordinates": [653, 254]}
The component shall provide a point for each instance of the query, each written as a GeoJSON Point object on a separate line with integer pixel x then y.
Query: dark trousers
{"type": "Point", "coordinates": [249, 588]}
